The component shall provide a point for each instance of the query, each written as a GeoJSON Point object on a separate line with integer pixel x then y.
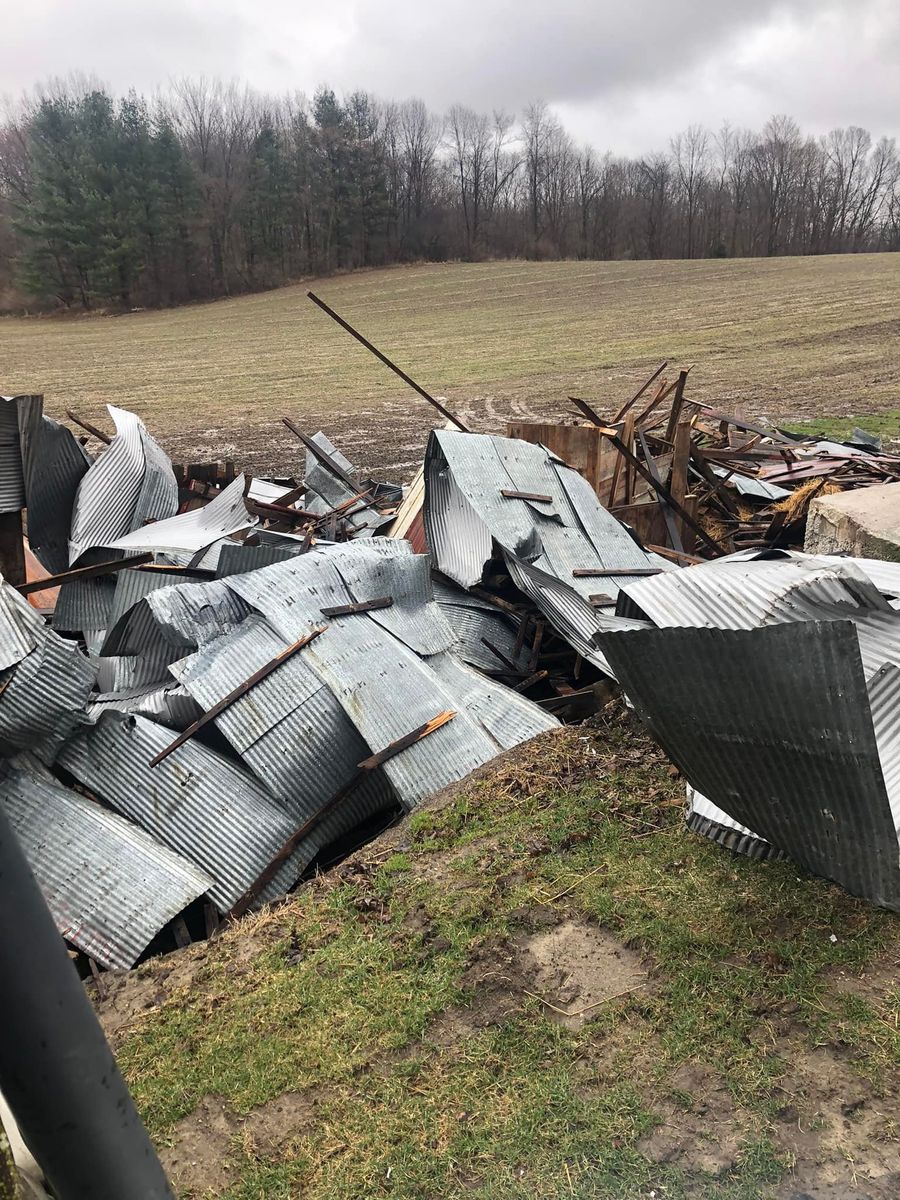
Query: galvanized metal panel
{"type": "Point", "coordinates": [471, 620]}
{"type": "Point", "coordinates": [289, 730]}
{"type": "Point", "coordinates": [12, 478]}
{"type": "Point", "coordinates": [748, 594]}
{"type": "Point", "coordinates": [21, 627]}
{"type": "Point", "coordinates": [225, 514]}
{"type": "Point", "coordinates": [167, 703]}
{"type": "Point", "coordinates": [133, 629]}
{"type": "Point", "coordinates": [54, 463]}
{"type": "Point", "coordinates": [506, 717]}
{"type": "Point", "coordinates": [774, 726]}
{"type": "Point", "coordinates": [130, 483]}
{"type": "Point", "coordinates": [85, 603]}
{"type": "Point", "coordinates": [197, 802]}
{"type": "Point", "coordinates": [542, 544]}
{"type": "Point", "coordinates": [711, 822]}
{"type": "Point", "coordinates": [884, 702]}
{"type": "Point", "coordinates": [109, 885]}
{"type": "Point", "coordinates": [237, 559]}
{"type": "Point", "coordinates": [44, 697]}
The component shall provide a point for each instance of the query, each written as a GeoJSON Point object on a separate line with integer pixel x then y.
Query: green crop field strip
{"type": "Point", "coordinates": [788, 338]}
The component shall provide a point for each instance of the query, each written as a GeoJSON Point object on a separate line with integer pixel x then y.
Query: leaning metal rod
{"type": "Point", "coordinates": [387, 362]}
{"type": "Point", "coordinates": [57, 1071]}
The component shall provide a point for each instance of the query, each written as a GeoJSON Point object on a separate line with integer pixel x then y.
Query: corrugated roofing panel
{"type": "Point", "coordinates": [711, 822]}
{"type": "Point", "coordinates": [109, 885]}
{"type": "Point", "coordinates": [167, 703]}
{"type": "Point", "coordinates": [12, 478]}
{"type": "Point", "coordinates": [44, 697]}
{"type": "Point", "coordinates": [21, 627]}
{"type": "Point", "coordinates": [225, 514]}
{"type": "Point", "coordinates": [884, 701]}
{"type": "Point", "coordinates": [197, 802]}
{"type": "Point", "coordinates": [130, 483]}
{"type": "Point", "coordinates": [54, 463]}
{"type": "Point", "coordinates": [774, 726]}
{"type": "Point", "coordinates": [237, 559]}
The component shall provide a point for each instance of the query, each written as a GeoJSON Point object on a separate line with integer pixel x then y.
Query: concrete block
{"type": "Point", "coordinates": [864, 523]}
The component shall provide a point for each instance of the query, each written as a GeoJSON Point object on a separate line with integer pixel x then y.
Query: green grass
{"type": "Point", "coordinates": [783, 338]}
{"type": "Point", "coordinates": [345, 995]}
{"type": "Point", "coordinates": [885, 424]}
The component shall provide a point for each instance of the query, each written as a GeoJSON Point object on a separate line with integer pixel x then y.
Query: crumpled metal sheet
{"type": "Point", "coordinates": [542, 543]}
{"type": "Point", "coordinates": [131, 483]}
{"type": "Point", "coordinates": [472, 620]}
{"type": "Point", "coordinates": [743, 593]}
{"type": "Point", "coordinates": [711, 822]}
{"type": "Point", "coordinates": [289, 730]}
{"type": "Point", "coordinates": [774, 726]}
{"type": "Point", "coordinates": [44, 696]}
{"type": "Point", "coordinates": [21, 627]}
{"type": "Point", "coordinates": [132, 627]}
{"type": "Point", "coordinates": [181, 616]}
{"type": "Point", "coordinates": [41, 466]}
{"type": "Point", "coordinates": [167, 703]}
{"type": "Point", "coordinates": [110, 886]}
{"type": "Point", "coordinates": [237, 559]}
{"type": "Point", "coordinates": [193, 531]}
{"type": "Point", "coordinates": [197, 802]}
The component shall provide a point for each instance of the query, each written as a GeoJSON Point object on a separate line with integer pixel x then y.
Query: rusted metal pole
{"type": "Point", "coordinates": [88, 427]}
{"type": "Point", "coordinates": [387, 362]}
{"type": "Point", "coordinates": [92, 572]}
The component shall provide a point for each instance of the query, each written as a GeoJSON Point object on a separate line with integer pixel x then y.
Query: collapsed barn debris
{"type": "Point", "coordinates": [208, 679]}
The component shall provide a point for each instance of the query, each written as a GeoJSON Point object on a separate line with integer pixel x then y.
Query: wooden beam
{"type": "Point", "coordinates": [322, 455]}
{"type": "Point", "coordinates": [361, 606]}
{"type": "Point", "coordinates": [613, 572]}
{"type": "Point", "coordinates": [78, 573]}
{"type": "Point", "coordinates": [88, 427]}
{"type": "Point", "coordinates": [666, 506]}
{"type": "Point", "coordinates": [637, 395]}
{"type": "Point", "coordinates": [387, 362]}
{"type": "Point", "coordinates": [241, 690]}
{"type": "Point", "coordinates": [508, 494]}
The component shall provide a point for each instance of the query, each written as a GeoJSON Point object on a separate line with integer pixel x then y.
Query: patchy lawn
{"type": "Point", "coordinates": [539, 985]}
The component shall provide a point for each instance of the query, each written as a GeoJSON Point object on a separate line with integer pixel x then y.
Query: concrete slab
{"type": "Point", "coordinates": [864, 523]}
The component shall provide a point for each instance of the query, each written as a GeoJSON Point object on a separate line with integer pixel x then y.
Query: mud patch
{"type": "Point", "coordinates": [699, 1128]}
{"type": "Point", "coordinates": [840, 1131]}
{"type": "Point", "coordinates": [269, 1128]}
{"type": "Point", "coordinates": [576, 967]}
{"type": "Point", "coordinates": [199, 1162]}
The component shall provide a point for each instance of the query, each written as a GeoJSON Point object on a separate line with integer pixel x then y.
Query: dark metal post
{"type": "Point", "coordinates": [57, 1071]}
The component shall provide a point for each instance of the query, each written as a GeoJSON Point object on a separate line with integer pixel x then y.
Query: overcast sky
{"type": "Point", "coordinates": [623, 74]}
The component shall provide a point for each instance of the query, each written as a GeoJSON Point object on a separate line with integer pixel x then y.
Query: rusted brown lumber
{"type": "Point", "coordinates": [628, 439]}
{"type": "Point", "coordinates": [509, 494]}
{"type": "Point", "coordinates": [363, 341]}
{"type": "Point", "coordinates": [675, 555]}
{"type": "Point", "coordinates": [508, 663]}
{"type": "Point", "coordinates": [368, 764]}
{"type": "Point", "coordinates": [661, 489]}
{"type": "Point", "coordinates": [78, 573]}
{"type": "Point", "coordinates": [677, 402]}
{"type": "Point", "coordinates": [241, 690]}
{"type": "Point", "coordinates": [88, 427]}
{"type": "Point", "coordinates": [361, 606]}
{"type": "Point", "coordinates": [637, 395]}
{"type": "Point", "coordinates": [584, 407]}
{"type": "Point", "coordinates": [612, 572]}
{"type": "Point", "coordinates": [666, 506]}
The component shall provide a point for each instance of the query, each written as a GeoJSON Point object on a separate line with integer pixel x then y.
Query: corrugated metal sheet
{"type": "Point", "coordinates": [748, 594]}
{"type": "Point", "coordinates": [132, 482]}
{"type": "Point", "coordinates": [85, 603]}
{"type": "Point", "coordinates": [132, 627]}
{"type": "Point", "coordinates": [44, 697]}
{"type": "Point", "coordinates": [542, 543]}
{"type": "Point", "coordinates": [109, 885]}
{"type": "Point", "coordinates": [167, 703]}
{"type": "Point", "coordinates": [774, 726]}
{"type": "Point", "coordinates": [705, 818]}
{"type": "Point", "coordinates": [54, 463]}
{"type": "Point", "coordinates": [238, 559]}
{"type": "Point", "coordinates": [20, 627]}
{"type": "Point", "coordinates": [471, 620]}
{"type": "Point", "coordinates": [196, 802]}
{"type": "Point", "coordinates": [289, 730]}
{"type": "Point", "coordinates": [12, 478]}
{"type": "Point", "coordinates": [884, 702]}
{"type": "Point", "coordinates": [150, 667]}
{"type": "Point", "coordinates": [746, 485]}
{"type": "Point", "coordinates": [225, 514]}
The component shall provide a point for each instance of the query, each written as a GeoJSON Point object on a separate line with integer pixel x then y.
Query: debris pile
{"type": "Point", "coordinates": [207, 680]}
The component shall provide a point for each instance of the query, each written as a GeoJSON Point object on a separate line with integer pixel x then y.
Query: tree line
{"type": "Point", "coordinates": [213, 189]}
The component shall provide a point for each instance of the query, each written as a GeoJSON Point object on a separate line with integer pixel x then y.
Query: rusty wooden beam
{"type": "Point", "coordinates": [78, 573]}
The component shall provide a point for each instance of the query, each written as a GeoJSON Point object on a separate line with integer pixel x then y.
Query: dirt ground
{"type": "Point", "coordinates": [782, 339]}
